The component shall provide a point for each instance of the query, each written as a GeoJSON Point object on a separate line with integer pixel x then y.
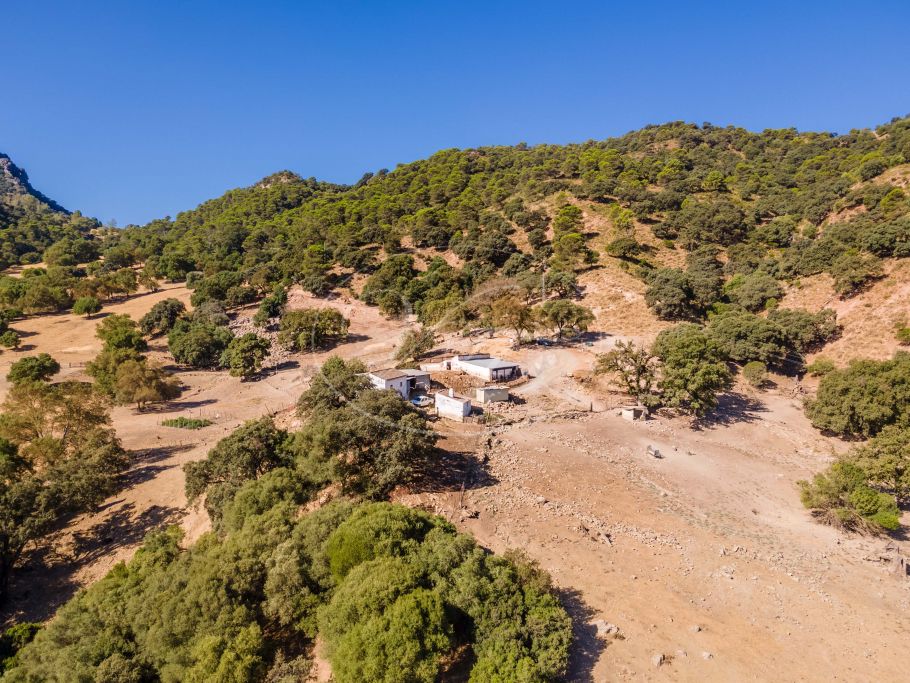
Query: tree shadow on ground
{"type": "Point", "coordinates": [586, 644]}
{"type": "Point", "coordinates": [453, 471]}
{"type": "Point", "coordinates": [731, 409]}
{"type": "Point", "coordinates": [48, 575]}
{"type": "Point", "coordinates": [144, 465]}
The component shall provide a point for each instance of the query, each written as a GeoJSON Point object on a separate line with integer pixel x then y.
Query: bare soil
{"type": "Point", "coordinates": [704, 556]}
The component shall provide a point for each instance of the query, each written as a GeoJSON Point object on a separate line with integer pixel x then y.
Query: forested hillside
{"type": "Point", "coordinates": [31, 222]}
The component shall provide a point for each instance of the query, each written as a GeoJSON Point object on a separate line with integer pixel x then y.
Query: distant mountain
{"type": "Point", "coordinates": [14, 185]}
{"type": "Point", "coordinates": [30, 221]}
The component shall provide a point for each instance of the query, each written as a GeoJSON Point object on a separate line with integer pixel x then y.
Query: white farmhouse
{"type": "Point", "coordinates": [486, 368]}
{"type": "Point", "coordinates": [403, 381]}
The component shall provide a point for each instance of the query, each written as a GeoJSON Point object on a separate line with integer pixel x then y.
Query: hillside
{"type": "Point", "coordinates": [30, 222]}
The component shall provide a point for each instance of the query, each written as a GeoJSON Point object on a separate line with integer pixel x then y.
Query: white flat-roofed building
{"type": "Point", "coordinates": [403, 381]}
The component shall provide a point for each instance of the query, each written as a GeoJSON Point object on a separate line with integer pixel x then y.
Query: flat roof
{"type": "Point", "coordinates": [491, 363]}
{"type": "Point", "coordinates": [453, 398]}
{"type": "Point", "coordinates": [391, 373]}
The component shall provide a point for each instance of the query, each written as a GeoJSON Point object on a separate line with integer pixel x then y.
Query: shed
{"type": "Point", "coordinates": [452, 407]}
{"type": "Point", "coordinates": [492, 394]}
{"type": "Point", "coordinates": [633, 413]}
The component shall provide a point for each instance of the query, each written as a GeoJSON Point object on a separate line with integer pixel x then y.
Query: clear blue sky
{"type": "Point", "coordinates": [137, 109]}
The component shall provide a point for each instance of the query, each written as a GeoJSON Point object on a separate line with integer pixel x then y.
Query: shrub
{"type": "Point", "coordinates": [885, 459]}
{"type": "Point", "coordinates": [842, 497]}
{"type": "Point", "coordinates": [186, 423]}
{"type": "Point", "coordinates": [864, 397]}
{"type": "Point", "coordinates": [10, 339]}
{"type": "Point", "coordinates": [414, 344]}
{"type": "Point", "coordinates": [140, 382]}
{"type": "Point", "coordinates": [821, 366]}
{"type": "Point", "coordinates": [805, 331]}
{"type": "Point", "coordinates": [312, 328]}
{"type": "Point", "coordinates": [670, 295]}
{"type": "Point", "coordinates": [853, 270]}
{"type": "Point", "coordinates": [755, 373]}
{"type": "Point", "coordinates": [744, 337]}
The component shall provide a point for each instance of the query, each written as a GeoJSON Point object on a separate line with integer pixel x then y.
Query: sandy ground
{"type": "Point", "coordinates": [704, 556]}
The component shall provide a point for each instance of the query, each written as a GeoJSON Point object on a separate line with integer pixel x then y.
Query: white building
{"type": "Point", "coordinates": [452, 407]}
{"type": "Point", "coordinates": [403, 381]}
{"type": "Point", "coordinates": [487, 368]}
{"type": "Point", "coordinates": [491, 394]}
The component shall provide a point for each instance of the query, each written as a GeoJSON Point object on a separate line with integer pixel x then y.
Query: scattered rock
{"type": "Point", "coordinates": [681, 654]}
{"type": "Point", "coordinates": [707, 655]}
{"type": "Point", "coordinates": [657, 659]}
{"type": "Point", "coordinates": [695, 628]}
{"type": "Point", "coordinates": [605, 628]}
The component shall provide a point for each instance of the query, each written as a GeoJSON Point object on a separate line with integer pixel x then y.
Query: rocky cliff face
{"type": "Point", "coordinates": [14, 184]}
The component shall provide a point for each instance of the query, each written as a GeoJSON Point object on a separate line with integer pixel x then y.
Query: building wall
{"type": "Point", "coordinates": [452, 408]}
{"type": "Point", "coordinates": [400, 385]}
{"type": "Point", "coordinates": [491, 394]}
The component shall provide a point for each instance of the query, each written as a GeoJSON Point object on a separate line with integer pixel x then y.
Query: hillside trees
{"type": "Point", "coordinates": [309, 329]}
{"type": "Point", "coordinates": [863, 398]}
{"type": "Point", "coordinates": [58, 456]}
{"type": "Point", "coordinates": [635, 369]}
{"type": "Point", "coordinates": [162, 317]}
{"type": "Point", "coordinates": [414, 344]}
{"type": "Point", "coordinates": [562, 315]}
{"type": "Point", "coordinates": [38, 368]}
{"type": "Point", "coordinates": [141, 382]}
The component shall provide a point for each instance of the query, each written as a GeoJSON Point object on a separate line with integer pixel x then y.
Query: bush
{"type": "Point", "coordinates": [821, 366]}
{"type": "Point", "coordinates": [885, 459]}
{"type": "Point", "coordinates": [312, 328]}
{"type": "Point", "coordinates": [863, 398]}
{"type": "Point", "coordinates": [744, 337]}
{"type": "Point", "coordinates": [414, 344]}
{"type": "Point", "coordinates": [842, 497]}
{"type": "Point", "coordinates": [186, 423]}
{"type": "Point", "coordinates": [140, 382]}
{"type": "Point", "coordinates": [853, 270]}
{"type": "Point", "coordinates": [805, 331]}
{"type": "Point", "coordinates": [755, 373]}
{"type": "Point", "coordinates": [10, 339]}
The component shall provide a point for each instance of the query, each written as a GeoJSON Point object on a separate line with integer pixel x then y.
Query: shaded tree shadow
{"type": "Point", "coordinates": [48, 577]}
{"type": "Point", "coordinates": [144, 465]}
{"type": "Point", "coordinates": [176, 406]}
{"type": "Point", "coordinates": [586, 644]}
{"type": "Point", "coordinates": [452, 470]}
{"type": "Point", "coordinates": [731, 409]}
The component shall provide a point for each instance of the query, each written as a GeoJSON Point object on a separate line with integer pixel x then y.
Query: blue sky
{"type": "Point", "coordinates": [136, 110]}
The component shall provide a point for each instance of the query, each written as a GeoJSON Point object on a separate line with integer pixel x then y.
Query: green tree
{"type": "Point", "coordinates": [562, 315]}
{"type": "Point", "coordinates": [853, 270]}
{"type": "Point", "coordinates": [633, 368]}
{"type": "Point", "coordinates": [58, 456]}
{"type": "Point", "coordinates": [141, 382]}
{"type": "Point", "coordinates": [38, 368]}
{"type": "Point", "coordinates": [244, 355]}
{"type": "Point", "coordinates": [198, 344]}
{"type": "Point", "coordinates": [414, 344]}
{"type": "Point", "coordinates": [119, 331]}
{"type": "Point", "coordinates": [250, 452]}
{"type": "Point", "coordinates": [337, 382]}
{"type": "Point", "coordinates": [885, 459]}
{"type": "Point", "coordinates": [87, 306]}
{"type": "Point", "coordinates": [753, 291]}
{"type": "Point", "coordinates": [670, 295]}
{"type": "Point", "coordinates": [162, 317]}
{"type": "Point", "coordinates": [693, 371]}
{"type": "Point", "coordinates": [863, 398]}
{"type": "Point", "coordinates": [512, 313]}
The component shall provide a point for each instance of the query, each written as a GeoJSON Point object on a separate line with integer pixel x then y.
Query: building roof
{"type": "Point", "coordinates": [398, 373]}
{"type": "Point", "coordinates": [459, 399]}
{"type": "Point", "coordinates": [391, 373]}
{"type": "Point", "coordinates": [491, 363]}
